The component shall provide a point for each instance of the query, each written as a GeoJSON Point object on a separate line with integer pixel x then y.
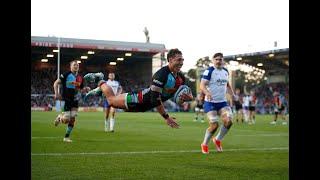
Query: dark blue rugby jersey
{"type": "Point", "coordinates": [165, 79]}
{"type": "Point", "coordinates": [71, 84]}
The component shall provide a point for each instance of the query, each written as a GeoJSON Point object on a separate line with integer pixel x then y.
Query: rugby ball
{"type": "Point", "coordinates": [183, 89]}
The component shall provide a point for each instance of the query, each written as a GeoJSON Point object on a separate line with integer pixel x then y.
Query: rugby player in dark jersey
{"type": "Point", "coordinates": [72, 84]}
{"type": "Point", "coordinates": [165, 83]}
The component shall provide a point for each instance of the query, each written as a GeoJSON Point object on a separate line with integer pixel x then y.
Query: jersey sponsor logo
{"type": "Point", "coordinates": [221, 82]}
{"type": "Point", "coordinates": [157, 82]}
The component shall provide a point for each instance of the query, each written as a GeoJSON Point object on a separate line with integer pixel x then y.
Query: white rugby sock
{"type": "Point", "coordinates": [207, 137]}
{"type": "Point", "coordinates": [106, 124]}
{"type": "Point", "coordinates": [112, 124]}
{"type": "Point", "coordinates": [223, 131]}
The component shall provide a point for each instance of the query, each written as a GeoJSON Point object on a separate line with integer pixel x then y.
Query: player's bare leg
{"type": "Point", "coordinates": [107, 121]}
{"type": "Point", "coordinates": [72, 119]}
{"type": "Point", "coordinates": [250, 117]}
{"type": "Point", "coordinates": [226, 116]}
{"type": "Point", "coordinates": [118, 101]}
{"type": "Point", "coordinates": [253, 117]}
{"type": "Point", "coordinates": [112, 119]}
{"type": "Point", "coordinates": [213, 126]}
{"type": "Point", "coordinates": [241, 115]}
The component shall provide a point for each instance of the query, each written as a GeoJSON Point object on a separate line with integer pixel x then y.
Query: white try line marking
{"type": "Point", "coordinates": [153, 152]}
{"type": "Point", "coordinates": [262, 135]}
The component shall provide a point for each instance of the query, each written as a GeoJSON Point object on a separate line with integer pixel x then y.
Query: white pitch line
{"type": "Point", "coordinates": [153, 152]}
{"type": "Point", "coordinates": [262, 135]}
{"type": "Point", "coordinates": [44, 137]}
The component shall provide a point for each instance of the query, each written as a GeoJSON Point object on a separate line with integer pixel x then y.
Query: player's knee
{"type": "Point", "coordinates": [66, 117]}
{"type": "Point", "coordinates": [213, 126]}
{"type": "Point", "coordinates": [227, 115]}
{"type": "Point", "coordinates": [213, 118]}
{"type": "Point", "coordinates": [74, 114]}
{"type": "Point", "coordinates": [111, 101]}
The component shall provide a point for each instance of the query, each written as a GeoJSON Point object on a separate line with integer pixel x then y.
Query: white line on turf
{"type": "Point", "coordinates": [262, 135]}
{"type": "Point", "coordinates": [45, 137]}
{"type": "Point", "coordinates": [153, 152]}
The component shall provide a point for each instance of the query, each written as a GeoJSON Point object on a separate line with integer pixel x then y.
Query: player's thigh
{"type": "Point", "coordinates": [74, 109]}
{"type": "Point", "coordinates": [106, 111]}
{"type": "Point", "coordinates": [118, 101]}
{"type": "Point", "coordinates": [112, 110]}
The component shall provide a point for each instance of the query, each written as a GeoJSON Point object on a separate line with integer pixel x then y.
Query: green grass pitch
{"type": "Point", "coordinates": [144, 147]}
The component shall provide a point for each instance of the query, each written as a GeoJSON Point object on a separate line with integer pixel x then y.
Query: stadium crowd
{"type": "Point", "coordinates": [265, 96]}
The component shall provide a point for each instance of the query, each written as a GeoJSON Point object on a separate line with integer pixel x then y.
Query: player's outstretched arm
{"type": "Point", "coordinates": [170, 120]}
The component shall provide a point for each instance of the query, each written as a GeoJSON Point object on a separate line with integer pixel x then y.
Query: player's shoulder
{"type": "Point", "coordinates": [164, 69]}
{"type": "Point", "coordinates": [208, 71]}
{"type": "Point", "coordinates": [162, 72]}
{"type": "Point", "coordinates": [65, 74]}
{"type": "Point", "coordinates": [211, 68]}
{"type": "Point", "coordinates": [225, 69]}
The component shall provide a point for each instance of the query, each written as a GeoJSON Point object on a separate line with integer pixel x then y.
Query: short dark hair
{"type": "Point", "coordinates": [73, 62]}
{"type": "Point", "coordinates": [217, 54]}
{"type": "Point", "coordinates": [172, 53]}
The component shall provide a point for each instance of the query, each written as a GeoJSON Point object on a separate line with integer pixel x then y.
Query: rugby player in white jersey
{"type": "Point", "coordinates": [214, 84]}
{"type": "Point", "coordinates": [117, 89]}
